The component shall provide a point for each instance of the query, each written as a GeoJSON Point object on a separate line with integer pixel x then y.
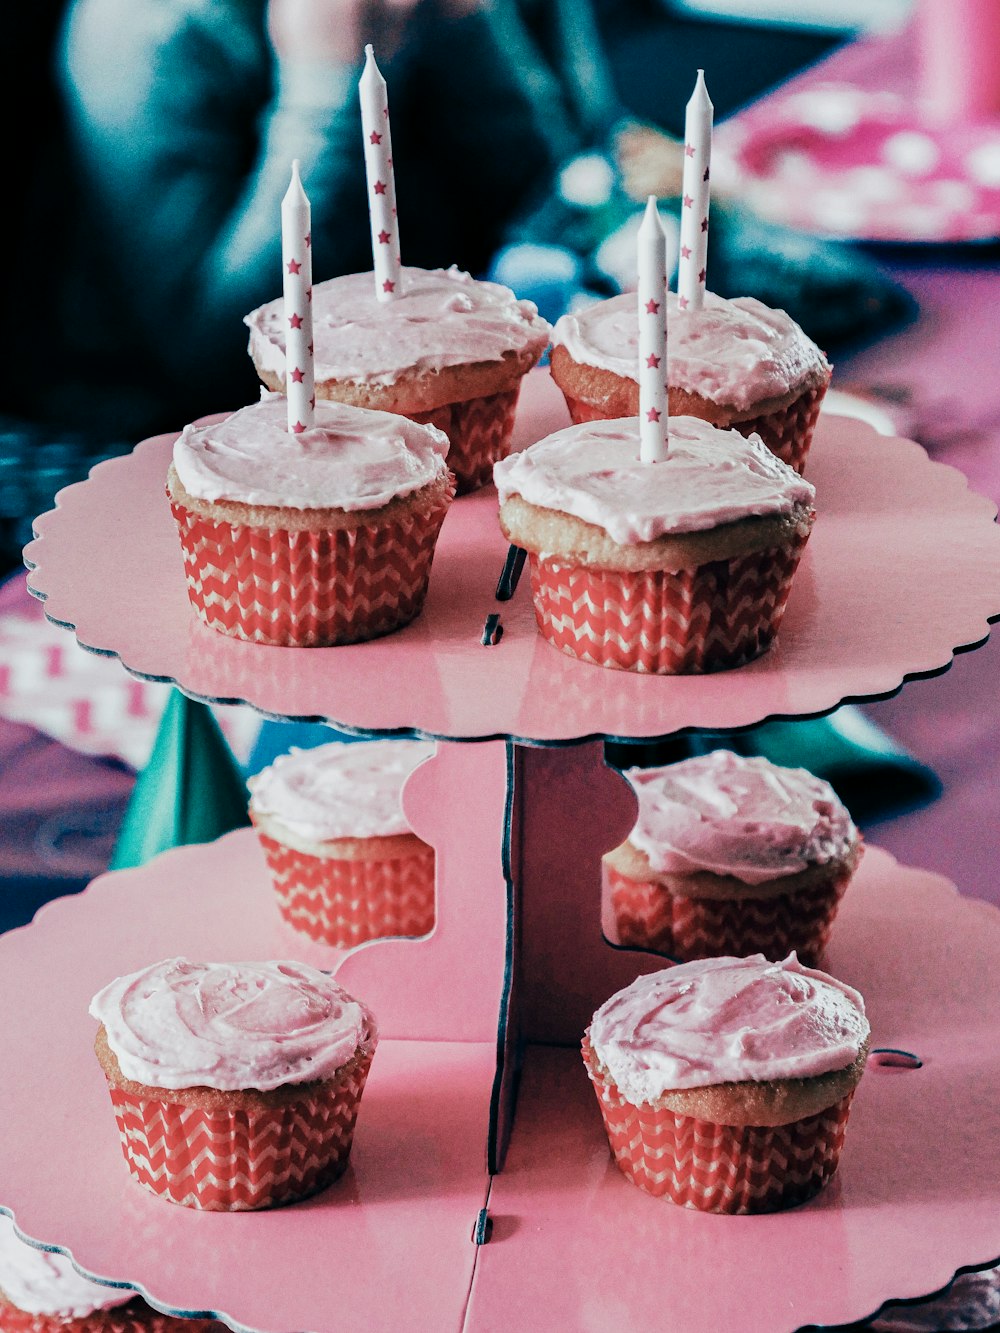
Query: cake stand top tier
{"type": "Point", "coordinates": [902, 569]}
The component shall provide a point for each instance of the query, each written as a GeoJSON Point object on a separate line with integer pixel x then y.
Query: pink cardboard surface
{"type": "Point", "coordinates": [917, 1195]}
{"type": "Point", "coordinates": [902, 568]}
{"type": "Point", "coordinates": [388, 1243]}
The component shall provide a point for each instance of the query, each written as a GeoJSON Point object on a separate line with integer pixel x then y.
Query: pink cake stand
{"type": "Point", "coordinates": [393, 1244]}
{"type": "Point", "coordinates": [902, 568]}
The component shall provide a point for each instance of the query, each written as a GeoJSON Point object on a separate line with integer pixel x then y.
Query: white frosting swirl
{"type": "Point", "coordinates": [727, 1020]}
{"type": "Point", "coordinates": [179, 1024]}
{"type": "Point", "coordinates": [738, 816]}
{"type": "Point", "coordinates": [350, 458]}
{"type": "Point", "coordinates": [736, 353]}
{"type": "Point", "coordinates": [346, 789]}
{"type": "Point", "coordinates": [45, 1283]}
{"type": "Point", "coordinates": [709, 477]}
{"type": "Point", "coordinates": [443, 318]}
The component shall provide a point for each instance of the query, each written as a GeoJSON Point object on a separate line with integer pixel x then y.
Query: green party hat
{"type": "Point", "coordinates": [191, 789]}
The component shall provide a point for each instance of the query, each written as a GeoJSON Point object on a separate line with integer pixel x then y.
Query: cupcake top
{"type": "Point", "coordinates": [709, 477]}
{"type": "Point", "coordinates": [181, 1024]}
{"type": "Point", "coordinates": [342, 790]}
{"type": "Point", "coordinates": [45, 1283]}
{"type": "Point", "coordinates": [743, 817]}
{"type": "Point", "coordinates": [737, 352]}
{"type": "Point", "coordinates": [727, 1020]}
{"type": "Point", "coordinates": [350, 458]}
{"type": "Point", "coordinates": [443, 318]}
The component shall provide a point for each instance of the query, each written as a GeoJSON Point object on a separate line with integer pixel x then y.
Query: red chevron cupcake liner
{"type": "Point", "coordinates": [135, 1317]}
{"type": "Point", "coordinates": [719, 1168]}
{"type": "Point", "coordinates": [308, 589]}
{"type": "Point", "coordinates": [715, 616]}
{"type": "Point", "coordinates": [787, 432]}
{"type": "Point", "coordinates": [241, 1158]}
{"type": "Point", "coordinates": [480, 431]}
{"type": "Point", "coordinates": [648, 916]}
{"type": "Point", "coordinates": [344, 902]}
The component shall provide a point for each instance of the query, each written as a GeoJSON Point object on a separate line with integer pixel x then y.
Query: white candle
{"type": "Point", "coordinates": [296, 260]}
{"type": "Point", "coordinates": [381, 181]}
{"type": "Point", "coordinates": [651, 263]}
{"type": "Point", "coordinates": [693, 266]}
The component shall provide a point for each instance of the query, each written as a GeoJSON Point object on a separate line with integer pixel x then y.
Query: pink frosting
{"type": "Point", "coordinates": [179, 1024]}
{"type": "Point", "coordinates": [342, 790]}
{"type": "Point", "coordinates": [736, 353]}
{"type": "Point", "coordinates": [350, 458]}
{"type": "Point", "coordinates": [709, 477]}
{"type": "Point", "coordinates": [46, 1283]}
{"type": "Point", "coordinates": [744, 817]}
{"type": "Point", "coordinates": [443, 318]}
{"type": "Point", "coordinates": [727, 1020]}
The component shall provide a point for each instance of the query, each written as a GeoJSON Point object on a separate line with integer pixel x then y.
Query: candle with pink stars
{"type": "Point", "coordinates": [692, 269]}
{"type": "Point", "coordinates": [381, 181]}
{"type": "Point", "coordinates": [296, 262]}
{"type": "Point", "coordinates": [651, 257]}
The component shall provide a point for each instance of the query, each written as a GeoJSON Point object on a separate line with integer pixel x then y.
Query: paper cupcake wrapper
{"type": "Point", "coordinates": [308, 589]}
{"type": "Point", "coordinates": [480, 432]}
{"type": "Point", "coordinates": [787, 432]}
{"type": "Point", "coordinates": [715, 616]}
{"type": "Point", "coordinates": [719, 1168]}
{"type": "Point", "coordinates": [135, 1317]}
{"type": "Point", "coordinates": [233, 1160]}
{"type": "Point", "coordinates": [344, 902]}
{"type": "Point", "coordinates": [648, 916]}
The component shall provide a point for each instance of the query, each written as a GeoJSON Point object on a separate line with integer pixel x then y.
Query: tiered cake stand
{"type": "Point", "coordinates": [481, 1193]}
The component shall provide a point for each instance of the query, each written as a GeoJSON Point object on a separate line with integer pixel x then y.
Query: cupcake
{"type": "Point", "coordinates": [41, 1292]}
{"type": "Point", "coordinates": [234, 1085]}
{"type": "Point", "coordinates": [738, 364]}
{"type": "Point", "coordinates": [344, 862]}
{"type": "Point", "coordinates": [732, 855]}
{"type": "Point", "coordinates": [450, 350]}
{"type": "Point", "coordinates": [683, 565]}
{"type": "Point", "coordinates": [317, 538]}
{"type": "Point", "coordinates": [725, 1083]}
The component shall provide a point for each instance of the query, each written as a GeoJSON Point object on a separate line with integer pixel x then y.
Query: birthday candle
{"type": "Point", "coordinates": [381, 181]}
{"type": "Point", "coordinates": [692, 270]}
{"type": "Point", "coordinates": [651, 263]}
{"type": "Point", "coordinates": [296, 259]}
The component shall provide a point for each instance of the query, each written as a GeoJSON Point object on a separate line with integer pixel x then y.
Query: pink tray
{"type": "Point", "coordinates": [903, 568]}
{"type": "Point", "coordinates": [391, 1245]}
{"type": "Point", "coordinates": [852, 163]}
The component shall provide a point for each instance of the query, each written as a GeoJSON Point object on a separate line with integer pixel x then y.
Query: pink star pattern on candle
{"type": "Point", "coordinates": [374, 99]}
{"type": "Point", "coordinates": [691, 273]}
{"type": "Point", "coordinates": [651, 265]}
{"type": "Point", "coordinates": [297, 265]}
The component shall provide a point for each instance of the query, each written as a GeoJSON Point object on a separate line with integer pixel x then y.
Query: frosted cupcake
{"type": "Point", "coordinates": [732, 855]}
{"type": "Point", "coordinates": [736, 363]}
{"type": "Point", "coordinates": [451, 350]}
{"type": "Point", "coordinates": [318, 538]}
{"type": "Point", "coordinates": [725, 1084]}
{"type": "Point", "coordinates": [234, 1085]}
{"type": "Point", "coordinates": [41, 1292]}
{"type": "Point", "coordinates": [683, 565]}
{"type": "Point", "coordinates": [345, 864]}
